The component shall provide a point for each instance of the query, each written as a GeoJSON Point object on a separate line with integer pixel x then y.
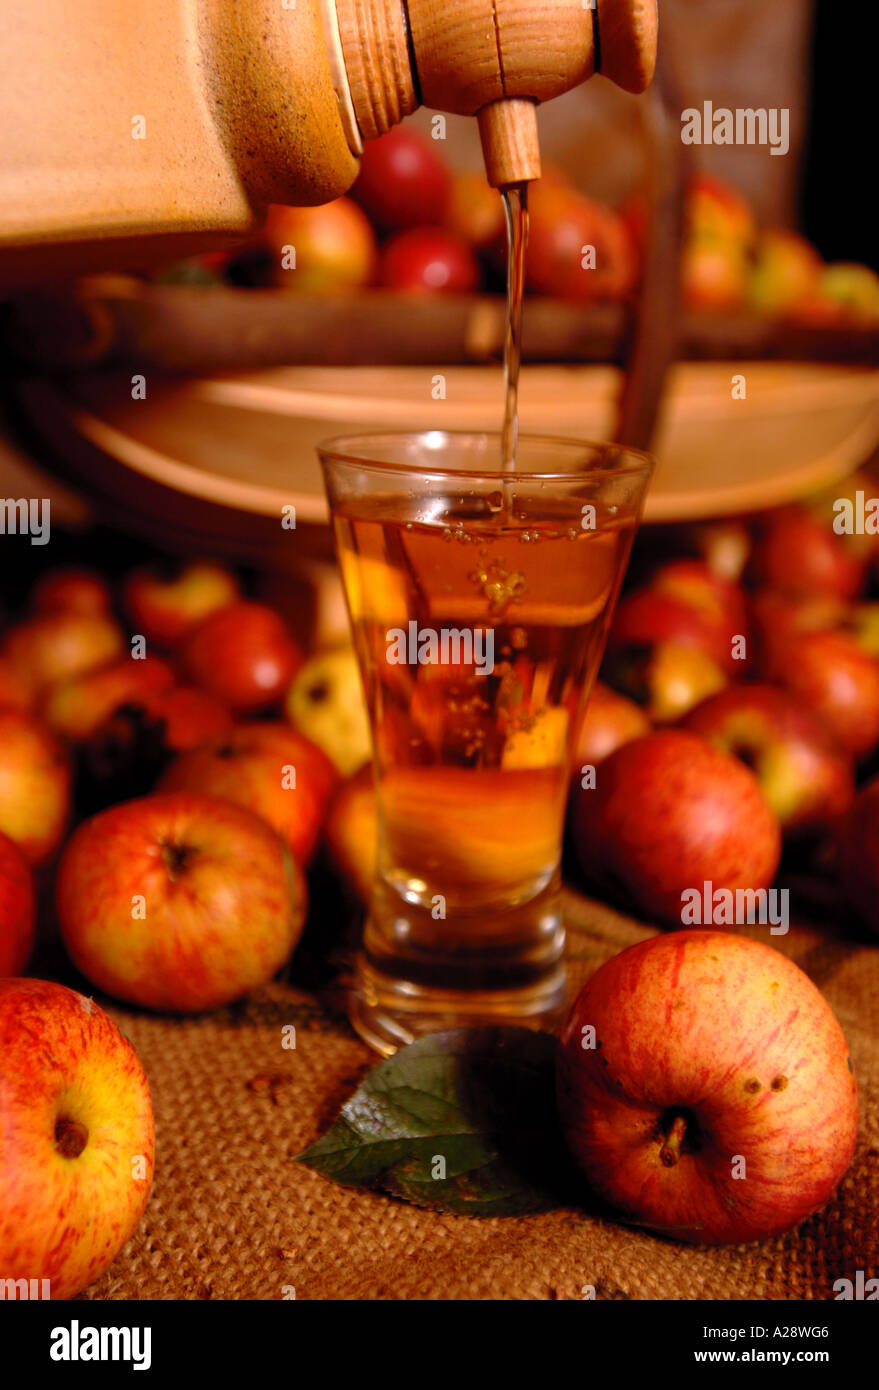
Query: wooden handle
{"type": "Point", "coordinates": [508, 130]}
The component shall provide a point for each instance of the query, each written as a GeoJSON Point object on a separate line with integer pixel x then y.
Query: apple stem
{"type": "Point", "coordinates": [670, 1152]}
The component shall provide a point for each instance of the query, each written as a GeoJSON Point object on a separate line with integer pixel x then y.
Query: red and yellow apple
{"type": "Point", "coordinates": [577, 248]}
{"type": "Point", "coordinates": [17, 909]}
{"type": "Point", "coordinates": [182, 902]}
{"type": "Point", "coordinates": [163, 604]}
{"type": "Point", "coordinates": [35, 782]}
{"type": "Point", "coordinates": [334, 245]}
{"type": "Point", "coordinates": [270, 769]}
{"type": "Point", "coordinates": [429, 260]}
{"type": "Point", "coordinates": [706, 1089]}
{"type": "Point", "coordinates": [806, 778]}
{"type": "Point", "coordinates": [57, 646]}
{"type": "Point", "coordinates": [668, 813]}
{"type": "Point", "coordinates": [78, 1139]}
{"type": "Point", "coordinates": [667, 679]}
{"type": "Point", "coordinates": [831, 673]}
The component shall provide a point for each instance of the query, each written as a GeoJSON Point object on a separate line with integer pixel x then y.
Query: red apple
{"type": "Point", "coordinates": [798, 555]}
{"type": "Point", "coordinates": [79, 706]}
{"type": "Point", "coordinates": [334, 246]}
{"type": "Point", "coordinates": [429, 259]}
{"type": "Point", "coordinates": [181, 902]}
{"type": "Point", "coordinates": [403, 181]}
{"type": "Point", "coordinates": [14, 690]}
{"type": "Point", "coordinates": [808, 782]}
{"type": "Point", "coordinates": [244, 654]}
{"type": "Point", "coordinates": [78, 1139]}
{"type": "Point", "coordinates": [72, 590]}
{"type": "Point", "coordinates": [706, 1089]}
{"type": "Point", "coordinates": [35, 782]}
{"type": "Point", "coordinates": [567, 232]}
{"type": "Point", "coordinates": [56, 646]}
{"type": "Point", "coordinates": [668, 813]}
{"type": "Point", "coordinates": [832, 674]}
{"type": "Point", "coordinates": [164, 604]}
{"type": "Point", "coordinates": [610, 721]}
{"type": "Point", "coordinates": [857, 854]}
{"type": "Point", "coordinates": [271, 770]}
{"type": "Point", "coordinates": [17, 909]}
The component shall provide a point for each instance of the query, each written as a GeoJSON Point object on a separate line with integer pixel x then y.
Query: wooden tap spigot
{"type": "Point", "coordinates": [494, 59]}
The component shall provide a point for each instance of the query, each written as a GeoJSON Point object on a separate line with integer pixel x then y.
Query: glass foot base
{"type": "Point", "coordinates": [388, 1013]}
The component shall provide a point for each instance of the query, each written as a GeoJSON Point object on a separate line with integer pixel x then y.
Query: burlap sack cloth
{"type": "Point", "coordinates": [231, 1216]}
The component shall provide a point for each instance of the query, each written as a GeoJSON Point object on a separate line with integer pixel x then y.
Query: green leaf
{"type": "Point", "coordinates": [481, 1099]}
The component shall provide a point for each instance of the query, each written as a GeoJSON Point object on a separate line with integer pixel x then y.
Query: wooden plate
{"type": "Point", "coordinates": [218, 458]}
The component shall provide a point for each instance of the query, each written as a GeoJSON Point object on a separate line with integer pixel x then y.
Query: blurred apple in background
{"type": "Point", "coordinates": [857, 854]}
{"type": "Point", "coordinates": [610, 721]}
{"type": "Point", "coordinates": [403, 181]}
{"type": "Point", "coordinates": [851, 288]}
{"type": "Point", "coordinates": [325, 702]}
{"type": "Point", "coordinates": [429, 259]}
{"type": "Point", "coordinates": [563, 225]}
{"type": "Point", "coordinates": [475, 211]}
{"type": "Point", "coordinates": [807, 780]}
{"type": "Point", "coordinates": [35, 780]}
{"type": "Point", "coordinates": [165, 602]}
{"type": "Point", "coordinates": [72, 590]}
{"type": "Point", "coordinates": [668, 813]}
{"type": "Point", "coordinates": [831, 674]}
{"type": "Point", "coordinates": [272, 770]}
{"type": "Point", "coordinates": [786, 273]}
{"type": "Point", "coordinates": [698, 616]}
{"type": "Point", "coordinates": [17, 909]}
{"type": "Point", "coordinates": [717, 211]}
{"type": "Point", "coordinates": [78, 1143]}
{"type": "Point", "coordinates": [667, 679]}
{"type": "Point", "coordinates": [718, 1102]}
{"type": "Point", "coordinates": [78, 707]}
{"type": "Point", "coordinates": [181, 902]}
{"type": "Point", "coordinates": [798, 554]}
{"type": "Point", "coordinates": [352, 831]}
{"type": "Point", "coordinates": [56, 646]}
{"type": "Point", "coordinates": [334, 246]}
{"type": "Point", "coordinates": [14, 690]}
{"type": "Point", "coordinates": [244, 654]}
{"type": "Point", "coordinates": [714, 275]}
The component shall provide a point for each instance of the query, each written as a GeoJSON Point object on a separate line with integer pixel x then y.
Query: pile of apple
{"type": "Point", "coordinates": [730, 263]}
{"type": "Point", "coordinates": [181, 899]}
{"type": "Point", "coordinates": [170, 762]}
{"type": "Point", "coordinates": [411, 223]}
